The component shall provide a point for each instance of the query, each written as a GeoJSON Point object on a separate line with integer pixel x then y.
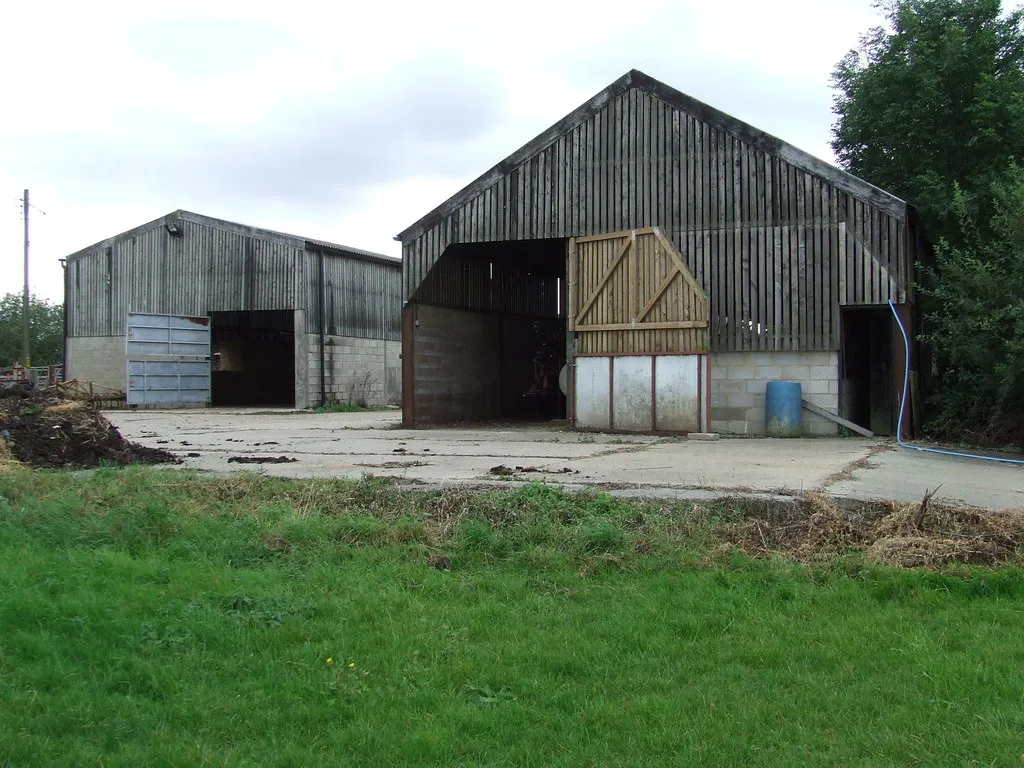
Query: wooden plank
{"type": "Point", "coordinates": [775, 276]}
{"type": "Point", "coordinates": [623, 250]}
{"type": "Point", "coordinates": [837, 419]}
{"type": "Point", "coordinates": [800, 265]}
{"type": "Point", "coordinates": [632, 273]}
{"type": "Point", "coordinates": [616, 235]}
{"type": "Point", "coordinates": [670, 249]}
{"type": "Point", "coordinates": [665, 283]}
{"type": "Point", "coordinates": [669, 325]}
{"type": "Point", "coordinates": [817, 265]}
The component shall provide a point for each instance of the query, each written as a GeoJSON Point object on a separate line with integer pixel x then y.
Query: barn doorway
{"type": "Point", "coordinates": [485, 335]}
{"type": "Point", "coordinates": [867, 369]}
{"type": "Point", "coordinates": [252, 360]}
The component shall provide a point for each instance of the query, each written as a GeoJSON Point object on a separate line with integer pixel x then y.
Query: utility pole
{"type": "Point", "coordinates": [25, 350]}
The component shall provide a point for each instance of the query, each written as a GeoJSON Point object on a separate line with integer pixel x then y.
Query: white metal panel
{"type": "Point", "coordinates": [677, 393]}
{"type": "Point", "coordinates": [631, 388]}
{"type": "Point", "coordinates": [173, 335]}
{"type": "Point", "coordinates": [593, 392]}
{"type": "Point", "coordinates": [168, 382]}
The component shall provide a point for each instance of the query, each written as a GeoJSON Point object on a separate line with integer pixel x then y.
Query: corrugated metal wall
{"type": "Point", "coordinates": [213, 269]}
{"type": "Point", "coordinates": [777, 249]}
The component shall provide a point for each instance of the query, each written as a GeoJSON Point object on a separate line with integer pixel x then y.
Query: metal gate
{"type": "Point", "coordinates": [168, 382]}
{"type": "Point", "coordinates": [168, 335]}
{"type": "Point", "coordinates": [639, 324]}
{"type": "Point", "coordinates": [168, 359]}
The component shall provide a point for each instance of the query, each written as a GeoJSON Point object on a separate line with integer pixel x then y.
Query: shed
{"type": "Point", "coordinates": [649, 263]}
{"type": "Point", "coordinates": [189, 309]}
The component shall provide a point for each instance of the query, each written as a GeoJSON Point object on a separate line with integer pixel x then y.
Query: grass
{"type": "Point", "coordinates": [155, 617]}
{"type": "Point", "coordinates": [349, 408]}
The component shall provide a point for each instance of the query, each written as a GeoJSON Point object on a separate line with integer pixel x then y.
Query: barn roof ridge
{"type": "Point", "coordinates": [635, 79]}
{"type": "Point", "coordinates": [243, 229]}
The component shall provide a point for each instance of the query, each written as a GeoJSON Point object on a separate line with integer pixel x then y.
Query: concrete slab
{"type": "Point", "coordinates": [906, 475]}
{"type": "Point", "coordinates": [740, 464]}
{"type": "Point", "coordinates": [353, 444]}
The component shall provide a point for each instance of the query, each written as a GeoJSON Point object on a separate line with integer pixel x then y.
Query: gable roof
{"type": "Point", "coordinates": [245, 230]}
{"type": "Point", "coordinates": [635, 79]}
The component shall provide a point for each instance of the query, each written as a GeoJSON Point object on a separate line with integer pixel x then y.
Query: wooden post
{"type": "Point", "coordinates": [26, 352]}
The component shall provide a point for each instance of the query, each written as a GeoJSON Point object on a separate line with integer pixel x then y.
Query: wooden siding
{"type": "Point", "coordinates": [484, 282]}
{"type": "Point", "coordinates": [777, 242]}
{"type": "Point", "coordinates": [205, 269]}
{"type": "Point", "coordinates": [632, 294]}
{"type": "Point", "coordinates": [214, 266]}
{"type": "Point", "coordinates": [361, 298]}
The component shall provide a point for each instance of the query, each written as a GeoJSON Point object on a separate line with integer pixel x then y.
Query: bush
{"type": "Point", "coordinates": [976, 324]}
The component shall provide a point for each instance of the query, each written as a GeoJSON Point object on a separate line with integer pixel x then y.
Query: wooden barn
{"type": "Point", "coordinates": [650, 263]}
{"type": "Point", "coordinates": [190, 310]}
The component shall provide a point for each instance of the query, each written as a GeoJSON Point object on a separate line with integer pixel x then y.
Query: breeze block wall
{"type": "Point", "coordinates": [357, 369]}
{"type": "Point", "coordinates": [99, 359]}
{"type": "Point", "coordinates": [456, 366]}
{"type": "Point", "coordinates": [739, 379]}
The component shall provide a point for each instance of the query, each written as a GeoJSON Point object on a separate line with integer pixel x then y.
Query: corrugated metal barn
{"type": "Point", "coordinates": [193, 310]}
{"type": "Point", "coordinates": [664, 261]}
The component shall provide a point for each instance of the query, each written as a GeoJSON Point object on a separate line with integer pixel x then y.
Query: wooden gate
{"type": "Point", "coordinates": [632, 303]}
{"type": "Point", "coordinates": [631, 293]}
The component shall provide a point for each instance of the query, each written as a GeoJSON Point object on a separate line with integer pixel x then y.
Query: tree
{"type": "Point", "coordinates": [46, 332]}
{"type": "Point", "coordinates": [977, 321]}
{"type": "Point", "coordinates": [934, 103]}
{"type": "Point", "coordinates": [932, 109]}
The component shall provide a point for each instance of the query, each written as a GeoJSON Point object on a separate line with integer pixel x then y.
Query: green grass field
{"type": "Point", "coordinates": [158, 618]}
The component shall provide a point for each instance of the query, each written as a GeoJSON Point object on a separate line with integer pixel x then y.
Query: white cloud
{"type": "Point", "coordinates": [349, 123]}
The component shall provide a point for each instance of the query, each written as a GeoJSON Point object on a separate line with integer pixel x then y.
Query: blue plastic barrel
{"type": "Point", "coordinates": [783, 409]}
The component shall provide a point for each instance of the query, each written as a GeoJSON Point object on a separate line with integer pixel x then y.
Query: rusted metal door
{"type": "Point", "coordinates": [632, 296]}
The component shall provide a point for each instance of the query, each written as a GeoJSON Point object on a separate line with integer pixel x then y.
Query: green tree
{"type": "Point", "coordinates": [978, 321]}
{"type": "Point", "coordinates": [934, 103]}
{"type": "Point", "coordinates": [932, 108]}
{"type": "Point", "coordinates": [46, 333]}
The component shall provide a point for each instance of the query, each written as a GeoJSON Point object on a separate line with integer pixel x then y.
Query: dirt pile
{"type": "Point", "coordinates": [43, 428]}
{"type": "Point", "coordinates": [925, 534]}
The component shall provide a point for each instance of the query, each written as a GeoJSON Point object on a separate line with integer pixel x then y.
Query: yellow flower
{"type": "Point", "coordinates": [352, 665]}
{"type": "Point", "coordinates": [330, 660]}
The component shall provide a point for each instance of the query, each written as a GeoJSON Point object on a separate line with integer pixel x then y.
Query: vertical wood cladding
{"type": "Point", "coordinates": [777, 239]}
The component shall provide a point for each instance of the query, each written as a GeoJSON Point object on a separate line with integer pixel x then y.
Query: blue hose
{"type": "Point", "coordinates": [903, 407]}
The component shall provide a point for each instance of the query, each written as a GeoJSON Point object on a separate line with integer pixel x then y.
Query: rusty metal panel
{"type": "Point", "coordinates": [592, 396]}
{"type": "Point", "coordinates": [632, 390]}
{"type": "Point", "coordinates": [677, 389]}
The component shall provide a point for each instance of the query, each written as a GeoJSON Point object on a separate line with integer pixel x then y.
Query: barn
{"type": "Point", "coordinates": [192, 310]}
{"type": "Point", "coordinates": [650, 263]}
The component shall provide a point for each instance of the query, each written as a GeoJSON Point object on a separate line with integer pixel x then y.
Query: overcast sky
{"type": "Point", "coordinates": [348, 124]}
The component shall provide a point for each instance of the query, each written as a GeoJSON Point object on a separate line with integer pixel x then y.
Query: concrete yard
{"type": "Point", "coordinates": [353, 444]}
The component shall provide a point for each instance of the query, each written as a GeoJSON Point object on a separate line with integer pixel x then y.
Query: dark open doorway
{"type": "Point", "coordinates": [253, 358]}
{"type": "Point", "coordinates": [868, 393]}
{"type": "Point", "coordinates": [488, 335]}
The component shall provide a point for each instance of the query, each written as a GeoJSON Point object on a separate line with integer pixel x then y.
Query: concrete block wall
{"type": "Point", "coordinates": [356, 369]}
{"type": "Point", "coordinates": [99, 359]}
{"type": "Point", "coordinates": [739, 379]}
{"type": "Point", "coordinates": [456, 366]}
